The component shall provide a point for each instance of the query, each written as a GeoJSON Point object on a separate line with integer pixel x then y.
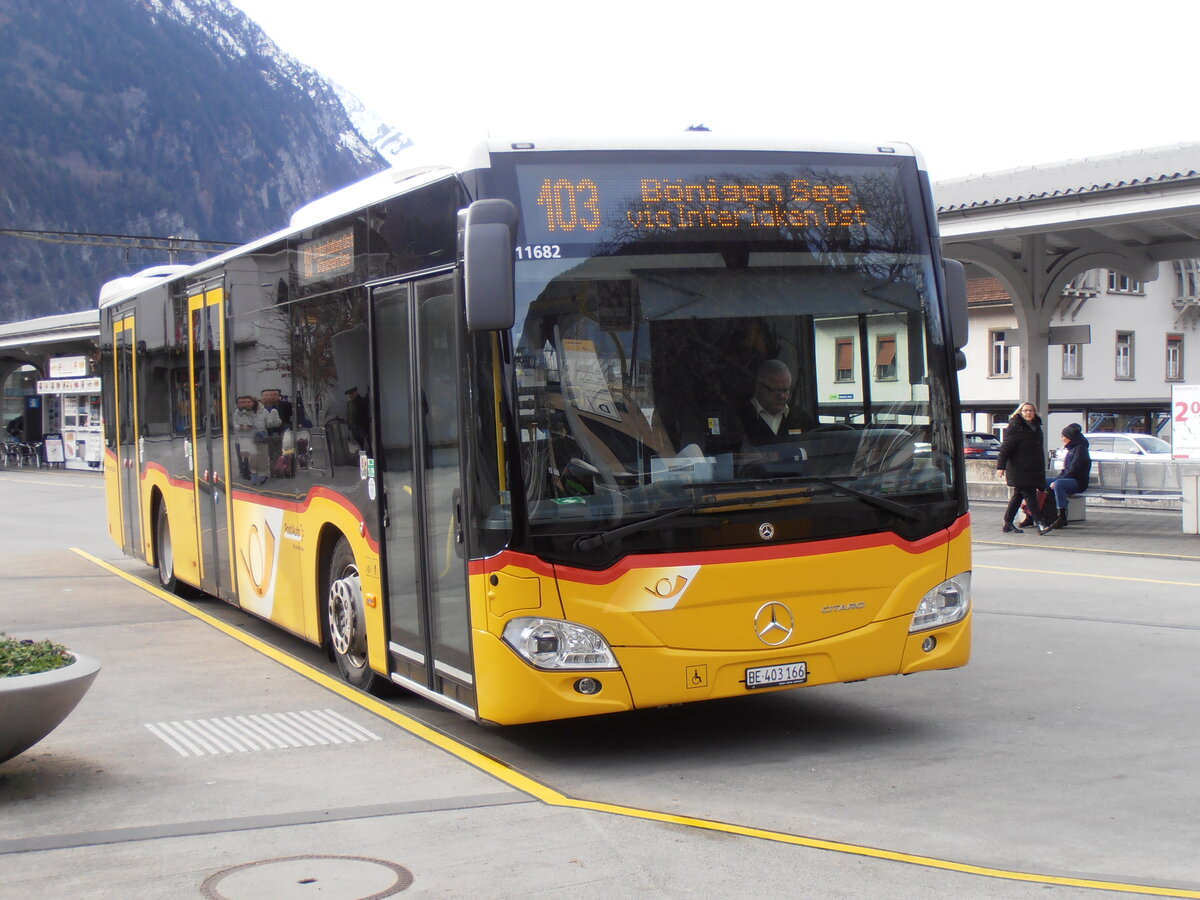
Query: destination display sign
{"type": "Point", "coordinates": [326, 257]}
{"type": "Point", "coordinates": [582, 203]}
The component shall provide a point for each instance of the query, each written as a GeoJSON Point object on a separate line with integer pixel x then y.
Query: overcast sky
{"type": "Point", "coordinates": [974, 87]}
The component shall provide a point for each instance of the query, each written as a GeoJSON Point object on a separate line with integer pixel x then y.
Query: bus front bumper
{"type": "Point", "coordinates": [517, 693]}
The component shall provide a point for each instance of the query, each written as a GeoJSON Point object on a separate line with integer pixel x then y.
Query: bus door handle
{"type": "Point", "coordinates": [459, 535]}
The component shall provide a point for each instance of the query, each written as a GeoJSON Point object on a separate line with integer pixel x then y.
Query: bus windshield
{"type": "Point", "coordinates": [713, 343]}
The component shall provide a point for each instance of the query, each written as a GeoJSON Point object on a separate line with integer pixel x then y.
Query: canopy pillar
{"type": "Point", "coordinates": [1035, 278]}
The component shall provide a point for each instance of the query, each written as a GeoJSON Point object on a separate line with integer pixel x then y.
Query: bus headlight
{"type": "Point", "coordinates": [555, 644]}
{"type": "Point", "coordinates": [944, 605]}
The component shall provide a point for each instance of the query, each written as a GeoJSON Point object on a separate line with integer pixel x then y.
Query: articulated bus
{"type": "Point", "coordinates": [566, 428]}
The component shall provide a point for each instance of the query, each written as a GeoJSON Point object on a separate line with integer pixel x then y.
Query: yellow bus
{"type": "Point", "coordinates": [566, 427]}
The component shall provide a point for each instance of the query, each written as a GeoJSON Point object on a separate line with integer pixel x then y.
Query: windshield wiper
{"type": "Point", "coordinates": [607, 537]}
{"type": "Point", "coordinates": [753, 491]}
{"type": "Point", "coordinates": [747, 496]}
{"type": "Point", "coordinates": [899, 509]}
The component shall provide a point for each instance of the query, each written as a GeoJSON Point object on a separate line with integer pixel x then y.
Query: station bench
{"type": "Point", "coordinates": [1077, 507]}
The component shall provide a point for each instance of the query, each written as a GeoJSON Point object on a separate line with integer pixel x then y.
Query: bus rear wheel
{"type": "Point", "coordinates": [345, 618]}
{"type": "Point", "coordinates": [164, 551]}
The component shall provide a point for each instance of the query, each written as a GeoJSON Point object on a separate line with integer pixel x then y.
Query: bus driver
{"type": "Point", "coordinates": [767, 418]}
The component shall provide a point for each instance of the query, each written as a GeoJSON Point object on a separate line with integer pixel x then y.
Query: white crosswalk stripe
{"type": "Point", "coordinates": [263, 731]}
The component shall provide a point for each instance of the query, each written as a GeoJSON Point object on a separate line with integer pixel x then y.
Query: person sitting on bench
{"type": "Point", "coordinates": [1073, 479]}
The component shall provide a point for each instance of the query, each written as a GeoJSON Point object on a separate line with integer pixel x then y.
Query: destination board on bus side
{"type": "Point", "coordinates": [326, 257]}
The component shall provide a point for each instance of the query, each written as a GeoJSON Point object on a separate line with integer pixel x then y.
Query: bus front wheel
{"type": "Point", "coordinates": [164, 551]}
{"type": "Point", "coordinates": [345, 619]}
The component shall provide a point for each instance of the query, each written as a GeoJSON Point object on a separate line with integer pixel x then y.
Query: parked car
{"type": "Point", "coordinates": [1105, 445]}
{"type": "Point", "coordinates": [980, 445]}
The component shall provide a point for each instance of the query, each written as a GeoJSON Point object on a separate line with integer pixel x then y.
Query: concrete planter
{"type": "Point", "coordinates": [31, 706]}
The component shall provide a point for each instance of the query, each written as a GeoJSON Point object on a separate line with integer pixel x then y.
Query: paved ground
{"type": "Point", "coordinates": [154, 787]}
{"type": "Point", "coordinates": [1108, 528]}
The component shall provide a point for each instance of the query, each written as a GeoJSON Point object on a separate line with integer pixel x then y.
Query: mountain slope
{"type": "Point", "coordinates": [151, 118]}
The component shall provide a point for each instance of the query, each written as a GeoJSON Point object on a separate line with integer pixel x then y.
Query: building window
{"type": "Point", "coordinates": [1124, 359]}
{"type": "Point", "coordinates": [1174, 357]}
{"type": "Point", "coordinates": [1072, 362]}
{"type": "Point", "coordinates": [998, 364]}
{"type": "Point", "coordinates": [885, 357]}
{"type": "Point", "coordinates": [844, 359]}
{"type": "Point", "coordinates": [1187, 274]}
{"type": "Point", "coordinates": [1123, 284]}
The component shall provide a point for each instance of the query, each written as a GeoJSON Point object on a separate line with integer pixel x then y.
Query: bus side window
{"type": "Point", "coordinates": [330, 409]}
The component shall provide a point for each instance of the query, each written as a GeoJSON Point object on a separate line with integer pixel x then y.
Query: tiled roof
{"type": "Point", "coordinates": [1133, 168]}
{"type": "Point", "coordinates": [986, 290]}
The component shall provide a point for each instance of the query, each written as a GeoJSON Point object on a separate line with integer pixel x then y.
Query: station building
{"type": "Point", "coordinates": [1084, 288]}
{"type": "Point", "coordinates": [50, 377]}
{"type": "Point", "coordinates": [1132, 342]}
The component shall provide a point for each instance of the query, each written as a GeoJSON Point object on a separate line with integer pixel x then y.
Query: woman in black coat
{"type": "Point", "coordinates": [1022, 462]}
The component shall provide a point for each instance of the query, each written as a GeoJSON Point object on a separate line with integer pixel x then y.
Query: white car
{"type": "Point", "coordinates": [1106, 445]}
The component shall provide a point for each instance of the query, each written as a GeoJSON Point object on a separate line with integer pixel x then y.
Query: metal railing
{"type": "Point", "coordinates": [1135, 477]}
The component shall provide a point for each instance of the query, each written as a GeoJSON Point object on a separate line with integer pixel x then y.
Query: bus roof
{"type": "Point", "coordinates": [421, 164]}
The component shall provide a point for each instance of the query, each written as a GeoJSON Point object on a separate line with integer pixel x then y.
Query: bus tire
{"type": "Point", "coordinates": [164, 551]}
{"type": "Point", "coordinates": [345, 619]}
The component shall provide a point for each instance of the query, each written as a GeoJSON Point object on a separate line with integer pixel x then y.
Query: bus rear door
{"type": "Point", "coordinates": [210, 450]}
{"type": "Point", "coordinates": [129, 479]}
{"type": "Point", "coordinates": [415, 328]}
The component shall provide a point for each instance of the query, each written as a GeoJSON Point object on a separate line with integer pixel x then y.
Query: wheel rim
{"type": "Point", "coordinates": [166, 555]}
{"type": "Point", "coordinates": [345, 599]}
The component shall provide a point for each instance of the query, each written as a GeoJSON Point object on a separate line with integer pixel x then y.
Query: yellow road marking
{"type": "Point", "coordinates": [95, 487]}
{"type": "Point", "coordinates": [551, 797]}
{"type": "Point", "coordinates": [1044, 546]}
{"type": "Point", "coordinates": [1024, 570]}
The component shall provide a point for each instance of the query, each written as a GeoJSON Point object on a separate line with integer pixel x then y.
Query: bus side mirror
{"type": "Point", "coordinates": [488, 234]}
{"type": "Point", "coordinates": [956, 305]}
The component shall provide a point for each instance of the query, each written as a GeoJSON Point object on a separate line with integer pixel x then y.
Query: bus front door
{"type": "Point", "coordinates": [129, 468]}
{"type": "Point", "coordinates": [210, 450]}
{"type": "Point", "coordinates": [416, 348]}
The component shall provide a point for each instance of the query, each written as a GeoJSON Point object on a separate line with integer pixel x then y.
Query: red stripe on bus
{"type": "Point", "coordinates": [172, 481]}
{"type": "Point", "coordinates": [293, 506]}
{"type": "Point", "coordinates": [514, 558]}
{"type": "Point", "coordinates": [301, 506]}
{"type": "Point", "coordinates": [717, 557]}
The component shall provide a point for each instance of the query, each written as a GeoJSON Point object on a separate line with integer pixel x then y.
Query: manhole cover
{"type": "Point", "coordinates": [327, 877]}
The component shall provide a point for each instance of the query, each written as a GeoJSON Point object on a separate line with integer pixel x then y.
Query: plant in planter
{"type": "Point", "coordinates": [28, 657]}
{"type": "Point", "coordinates": [40, 683]}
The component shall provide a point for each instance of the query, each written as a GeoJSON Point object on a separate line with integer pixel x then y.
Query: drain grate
{"type": "Point", "coordinates": [268, 731]}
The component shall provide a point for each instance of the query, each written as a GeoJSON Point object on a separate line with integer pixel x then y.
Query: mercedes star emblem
{"type": "Point", "coordinates": [773, 623]}
{"type": "Point", "coordinates": [766, 531]}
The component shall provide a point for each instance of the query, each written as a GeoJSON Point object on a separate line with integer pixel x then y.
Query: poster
{"type": "Point", "coordinates": [53, 444]}
{"type": "Point", "coordinates": [586, 381]}
{"type": "Point", "coordinates": [1185, 421]}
